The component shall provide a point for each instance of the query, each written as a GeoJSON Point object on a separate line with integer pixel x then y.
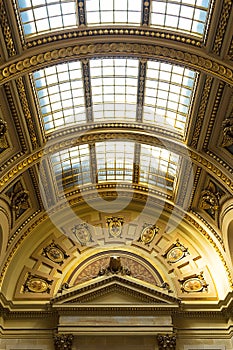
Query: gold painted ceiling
{"type": "Point", "coordinates": [116, 143]}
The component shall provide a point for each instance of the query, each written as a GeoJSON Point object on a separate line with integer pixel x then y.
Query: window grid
{"type": "Point", "coordinates": [114, 88]}
{"type": "Point", "coordinates": [168, 95]}
{"type": "Point", "coordinates": [113, 12]}
{"type": "Point", "coordinates": [71, 167]}
{"type": "Point", "coordinates": [115, 161]}
{"type": "Point", "coordinates": [40, 16]}
{"type": "Point", "coordinates": [158, 167]}
{"type": "Point", "coordinates": [61, 95]}
{"type": "Point", "coordinates": [183, 15]}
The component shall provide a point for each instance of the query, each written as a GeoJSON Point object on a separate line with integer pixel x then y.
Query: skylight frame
{"type": "Point", "coordinates": [42, 16]}
{"type": "Point", "coordinates": [61, 95]}
{"type": "Point", "coordinates": [164, 14]}
{"type": "Point", "coordinates": [114, 85]}
{"type": "Point", "coordinates": [113, 12]}
{"type": "Point", "coordinates": [115, 161]}
{"type": "Point", "coordinates": [159, 167]}
{"type": "Point", "coordinates": [72, 167]}
{"type": "Point", "coordinates": [168, 95]}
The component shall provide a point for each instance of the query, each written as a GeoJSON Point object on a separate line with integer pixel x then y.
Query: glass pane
{"type": "Point", "coordinates": [182, 15]}
{"type": "Point", "coordinates": [43, 15]}
{"type": "Point", "coordinates": [114, 88]}
{"type": "Point", "coordinates": [115, 161]}
{"type": "Point", "coordinates": [61, 95]}
{"type": "Point", "coordinates": [113, 12]}
{"type": "Point", "coordinates": [168, 95]}
{"type": "Point", "coordinates": [158, 167]}
{"type": "Point", "coordinates": [71, 167]}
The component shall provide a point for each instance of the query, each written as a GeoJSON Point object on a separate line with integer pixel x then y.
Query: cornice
{"type": "Point", "coordinates": [151, 49]}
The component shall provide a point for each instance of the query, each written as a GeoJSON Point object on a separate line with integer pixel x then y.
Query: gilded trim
{"type": "Point", "coordinates": [209, 65]}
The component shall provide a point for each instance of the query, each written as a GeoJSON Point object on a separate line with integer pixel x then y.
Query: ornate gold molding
{"type": "Point", "coordinates": [63, 341]}
{"type": "Point", "coordinates": [27, 113]}
{"type": "Point", "coordinates": [116, 31]}
{"type": "Point", "coordinates": [207, 64]}
{"type": "Point", "coordinates": [166, 342]}
{"type": "Point", "coordinates": [34, 158]}
{"type": "Point", "coordinates": [6, 30]}
{"type": "Point", "coordinates": [225, 14]}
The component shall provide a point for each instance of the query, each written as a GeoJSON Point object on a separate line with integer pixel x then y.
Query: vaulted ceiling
{"type": "Point", "coordinates": [116, 140]}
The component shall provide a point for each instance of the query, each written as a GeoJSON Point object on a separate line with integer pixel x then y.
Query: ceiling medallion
{"type": "Point", "coordinates": [54, 253]}
{"type": "Point", "coordinates": [176, 252]}
{"type": "Point", "coordinates": [148, 233]}
{"type": "Point", "coordinates": [115, 225]}
{"type": "Point", "coordinates": [195, 283]}
{"type": "Point", "coordinates": [82, 233]}
{"type": "Point", "coordinates": [36, 284]}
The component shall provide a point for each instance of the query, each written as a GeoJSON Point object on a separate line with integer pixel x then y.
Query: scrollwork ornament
{"type": "Point", "coordinates": [63, 341]}
{"type": "Point", "coordinates": [166, 342]}
{"type": "Point", "coordinates": [3, 128]}
{"type": "Point", "coordinates": [227, 132]}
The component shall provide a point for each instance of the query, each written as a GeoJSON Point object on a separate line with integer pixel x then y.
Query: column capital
{"type": "Point", "coordinates": [63, 341]}
{"type": "Point", "coordinates": [166, 342]}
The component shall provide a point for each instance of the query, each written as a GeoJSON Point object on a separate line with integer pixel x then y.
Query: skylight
{"type": "Point", "coordinates": [168, 95]}
{"type": "Point", "coordinates": [183, 15]}
{"type": "Point", "coordinates": [113, 12]}
{"type": "Point", "coordinates": [39, 16]}
{"type": "Point", "coordinates": [71, 167]}
{"type": "Point", "coordinates": [158, 167]}
{"type": "Point", "coordinates": [61, 95]}
{"type": "Point", "coordinates": [115, 161]}
{"type": "Point", "coordinates": [114, 88]}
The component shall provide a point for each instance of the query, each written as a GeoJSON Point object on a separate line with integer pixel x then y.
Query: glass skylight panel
{"type": "Point", "coordinates": [61, 95]}
{"type": "Point", "coordinates": [71, 167]}
{"type": "Point", "coordinates": [115, 161]}
{"type": "Point", "coordinates": [158, 167]}
{"type": "Point", "coordinates": [168, 95]}
{"type": "Point", "coordinates": [114, 88]}
{"type": "Point", "coordinates": [40, 16]}
{"type": "Point", "coordinates": [113, 12]}
{"type": "Point", "coordinates": [188, 16]}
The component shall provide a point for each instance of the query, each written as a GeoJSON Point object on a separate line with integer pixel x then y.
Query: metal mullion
{"type": "Point", "coordinates": [81, 9]}
{"type": "Point", "coordinates": [87, 89]}
{"type": "Point", "coordinates": [136, 163]}
{"type": "Point", "coordinates": [141, 89]}
{"type": "Point", "coordinates": [146, 8]}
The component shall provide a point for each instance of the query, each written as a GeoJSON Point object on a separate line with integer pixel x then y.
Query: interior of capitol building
{"type": "Point", "coordinates": [116, 174]}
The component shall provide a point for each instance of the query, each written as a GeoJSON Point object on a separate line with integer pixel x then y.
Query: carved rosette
{"type": "Point", "coordinates": [166, 342]}
{"type": "Point", "coordinates": [63, 341]}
